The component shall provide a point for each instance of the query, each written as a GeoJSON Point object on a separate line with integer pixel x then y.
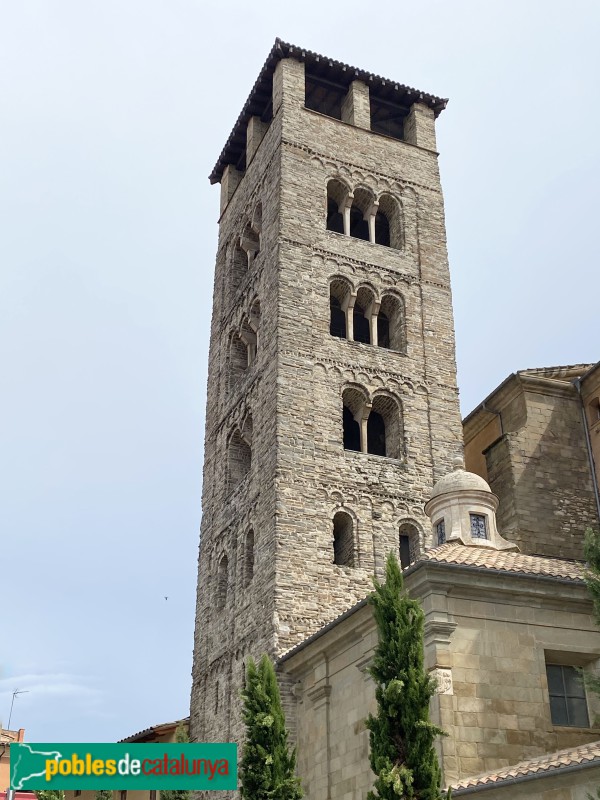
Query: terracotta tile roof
{"type": "Point", "coordinates": [564, 373]}
{"type": "Point", "coordinates": [467, 556]}
{"type": "Point", "coordinates": [485, 558]}
{"type": "Point", "coordinates": [586, 754]}
{"type": "Point", "coordinates": [155, 730]}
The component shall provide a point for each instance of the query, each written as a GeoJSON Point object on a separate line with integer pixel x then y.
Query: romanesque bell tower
{"type": "Point", "coordinates": [332, 400]}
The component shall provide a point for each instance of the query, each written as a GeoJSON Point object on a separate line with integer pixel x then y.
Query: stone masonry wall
{"type": "Point", "coordinates": [316, 477]}
{"type": "Point", "coordinates": [541, 473]}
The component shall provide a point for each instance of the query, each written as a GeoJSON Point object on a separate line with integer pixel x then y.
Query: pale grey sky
{"type": "Point", "coordinates": [112, 114]}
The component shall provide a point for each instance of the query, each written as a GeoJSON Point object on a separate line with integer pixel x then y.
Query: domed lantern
{"type": "Point", "coordinates": [462, 509]}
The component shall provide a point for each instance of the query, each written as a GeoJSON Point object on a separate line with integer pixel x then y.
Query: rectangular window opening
{"type": "Point", "coordinates": [478, 526]}
{"type": "Point", "coordinates": [568, 704]}
{"type": "Point", "coordinates": [440, 530]}
{"type": "Point", "coordinates": [387, 118]}
{"type": "Point", "coordinates": [324, 96]}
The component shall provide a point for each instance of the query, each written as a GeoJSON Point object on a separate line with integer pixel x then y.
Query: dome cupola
{"type": "Point", "coordinates": [462, 509]}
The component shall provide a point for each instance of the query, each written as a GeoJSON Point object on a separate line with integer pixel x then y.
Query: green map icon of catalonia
{"type": "Point", "coordinates": [28, 768]}
{"type": "Point", "coordinates": [186, 765]}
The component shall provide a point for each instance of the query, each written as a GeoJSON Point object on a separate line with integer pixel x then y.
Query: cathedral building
{"type": "Point", "coordinates": [333, 436]}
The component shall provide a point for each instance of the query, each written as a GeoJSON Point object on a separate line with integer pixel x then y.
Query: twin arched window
{"type": "Point", "coordinates": [344, 541]}
{"type": "Point", "coordinates": [361, 317]}
{"type": "Point", "coordinates": [374, 426]}
{"type": "Point", "coordinates": [361, 215]}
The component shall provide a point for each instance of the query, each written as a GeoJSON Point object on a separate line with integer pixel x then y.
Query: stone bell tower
{"type": "Point", "coordinates": [332, 401]}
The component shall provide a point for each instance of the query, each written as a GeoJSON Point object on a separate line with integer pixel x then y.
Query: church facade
{"type": "Point", "coordinates": [333, 436]}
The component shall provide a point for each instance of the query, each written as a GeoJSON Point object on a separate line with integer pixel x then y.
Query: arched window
{"type": "Point", "coordinates": [376, 434]}
{"type": "Point", "coordinates": [362, 315]}
{"type": "Point", "coordinates": [239, 458]}
{"type": "Point", "coordinates": [337, 196]}
{"type": "Point", "coordinates": [248, 338]}
{"type": "Point", "coordinates": [383, 329]}
{"type": "Point", "coordinates": [222, 578]}
{"type": "Point", "coordinates": [343, 540]}
{"type": "Point", "coordinates": [362, 326]}
{"type": "Point", "coordinates": [339, 294]}
{"type": "Point", "coordinates": [354, 403]}
{"type": "Point", "coordinates": [388, 223]}
{"type": "Point", "coordinates": [362, 208]}
{"type": "Point", "coordinates": [250, 331]}
{"type": "Point", "coordinates": [238, 361]}
{"type": "Point", "coordinates": [409, 544]}
{"type": "Point", "coordinates": [382, 229]}
{"type": "Point", "coordinates": [335, 219]}
{"type": "Point", "coordinates": [337, 318]}
{"type": "Point", "coordinates": [238, 267]}
{"type": "Point", "coordinates": [385, 435]}
{"type": "Point", "coordinates": [249, 558]}
{"type": "Point", "coordinates": [250, 244]}
{"type": "Point", "coordinates": [359, 226]}
{"type": "Point", "coordinates": [256, 222]}
{"type": "Point", "coordinates": [390, 323]}
{"type": "Point", "coordinates": [351, 431]}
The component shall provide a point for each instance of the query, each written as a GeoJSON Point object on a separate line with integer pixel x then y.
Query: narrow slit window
{"type": "Point", "coordinates": [343, 540]}
{"type": "Point", "coordinates": [440, 530]}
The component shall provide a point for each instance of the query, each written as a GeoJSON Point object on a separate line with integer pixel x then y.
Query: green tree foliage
{"type": "Point", "coordinates": [104, 794]}
{"type": "Point", "coordinates": [50, 794]}
{"type": "Point", "coordinates": [181, 736]}
{"type": "Point", "coordinates": [268, 765]}
{"type": "Point", "coordinates": [402, 753]}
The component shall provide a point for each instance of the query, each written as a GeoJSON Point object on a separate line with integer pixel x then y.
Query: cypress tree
{"type": "Point", "coordinates": [402, 754]}
{"type": "Point", "coordinates": [268, 765]}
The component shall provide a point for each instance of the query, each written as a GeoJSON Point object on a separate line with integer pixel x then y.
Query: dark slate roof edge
{"type": "Point", "coordinates": [283, 49]}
